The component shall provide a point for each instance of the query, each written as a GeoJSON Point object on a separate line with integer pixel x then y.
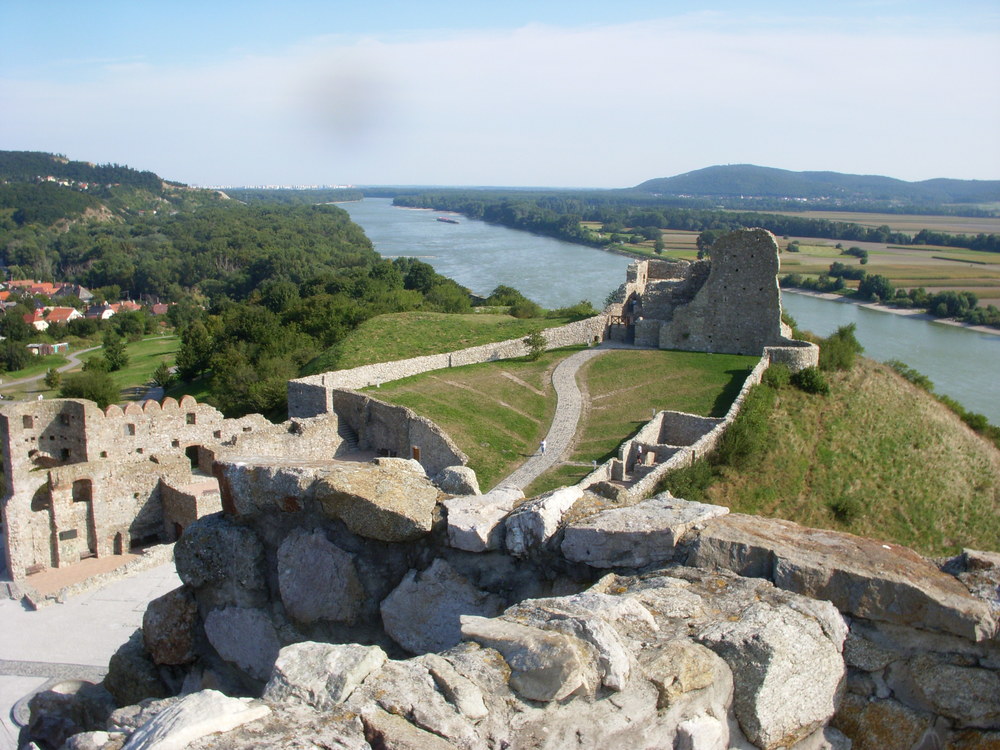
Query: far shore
{"type": "Point", "coordinates": [905, 312]}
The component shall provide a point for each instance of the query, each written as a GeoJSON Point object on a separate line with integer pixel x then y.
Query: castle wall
{"type": "Point", "coordinates": [309, 396]}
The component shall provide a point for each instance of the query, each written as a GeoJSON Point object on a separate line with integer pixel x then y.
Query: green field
{"type": "Point", "coordinates": [387, 338]}
{"type": "Point", "coordinates": [498, 412]}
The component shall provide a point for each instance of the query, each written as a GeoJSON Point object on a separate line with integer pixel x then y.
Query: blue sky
{"type": "Point", "coordinates": [515, 93]}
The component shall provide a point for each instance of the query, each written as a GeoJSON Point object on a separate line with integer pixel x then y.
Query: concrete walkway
{"type": "Point", "coordinates": [73, 640]}
{"type": "Point", "coordinates": [569, 407]}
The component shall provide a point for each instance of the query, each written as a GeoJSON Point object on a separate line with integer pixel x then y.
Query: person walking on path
{"type": "Point", "coordinates": [541, 448]}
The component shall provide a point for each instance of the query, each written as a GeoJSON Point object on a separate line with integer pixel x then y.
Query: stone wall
{"type": "Point", "coordinates": [310, 396]}
{"type": "Point", "coordinates": [81, 481]}
{"type": "Point", "coordinates": [351, 603]}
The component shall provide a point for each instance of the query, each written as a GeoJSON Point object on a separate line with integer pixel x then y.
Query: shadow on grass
{"type": "Point", "coordinates": [729, 392]}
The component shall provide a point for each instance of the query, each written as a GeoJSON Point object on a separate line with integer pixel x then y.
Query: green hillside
{"type": "Point", "coordinates": [877, 457]}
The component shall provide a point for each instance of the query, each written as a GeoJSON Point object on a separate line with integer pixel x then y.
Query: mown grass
{"type": "Point", "coordinates": [877, 457]}
{"type": "Point", "coordinates": [387, 338]}
{"type": "Point", "coordinates": [496, 412]}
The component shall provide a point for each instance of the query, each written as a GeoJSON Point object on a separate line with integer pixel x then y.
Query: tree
{"type": "Point", "coordinates": [875, 287]}
{"type": "Point", "coordinates": [536, 344]}
{"type": "Point", "coordinates": [162, 375]}
{"type": "Point", "coordinates": [53, 378]}
{"type": "Point", "coordinates": [115, 353]}
{"type": "Point", "coordinates": [13, 356]}
{"type": "Point", "coordinates": [91, 384]}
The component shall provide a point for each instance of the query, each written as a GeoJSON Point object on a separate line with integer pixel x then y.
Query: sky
{"type": "Point", "coordinates": [515, 93]}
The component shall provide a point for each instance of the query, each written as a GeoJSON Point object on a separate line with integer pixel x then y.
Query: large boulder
{"type": "Point", "coordinates": [67, 708]}
{"type": "Point", "coordinates": [244, 637]}
{"type": "Point", "coordinates": [475, 522]}
{"type": "Point", "coordinates": [862, 577]}
{"type": "Point", "coordinates": [223, 561]}
{"type": "Point", "coordinates": [168, 627]}
{"type": "Point", "coordinates": [317, 579]}
{"type": "Point", "coordinates": [132, 676]}
{"type": "Point", "coordinates": [637, 535]}
{"type": "Point", "coordinates": [457, 480]}
{"type": "Point", "coordinates": [786, 669]}
{"type": "Point", "coordinates": [422, 613]}
{"type": "Point", "coordinates": [389, 503]}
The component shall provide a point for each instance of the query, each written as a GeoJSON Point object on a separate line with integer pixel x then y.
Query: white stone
{"type": "Point", "coordinates": [195, 716]}
{"type": "Point", "coordinates": [702, 733]}
{"type": "Point", "coordinates": [534, 522]}
{"type": "Point", "coordinates": [458, 480]}
{"type": "Point", "coordinates": [475, 521]}
{"type": "Point", "coordinates": [637, 535]}
{"type": "Point", "coordinates": [321, 674]}
{"type": "Point", "coordinates": [245, 637]}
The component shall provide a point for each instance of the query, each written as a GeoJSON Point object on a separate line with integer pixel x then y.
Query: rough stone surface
{"type": "Point", "coordinates": [168, 627]}
{"type": "Point", "coordinates": [387, 503]}
{"type": "Point", "coordinates": [321, 674]}
{"type": "Point", "coordinates": [702, 733]}
{"type": "Point", "coordinates": [862, 577]}
{"type": "Point", "coordinates": [544, 666]}
{"type": "Point", "coordinates": [968, 695]}
{"type": "Point", "coordinates": [96, 741]}
{"type": "Point", "coordinates": [680, 666]}
{"type": "Point", "coordinates": [244, 637]}
{"type": "Point", "coordinates": [458, 480]}
{"type": "Point", "coordinates": [216, 551]}
{"type": "Point", "coordinates": [422, 613]}
{"type": "Point", "coordinates": [194, 716]}
{"type": "Point", "coordinates": [384, 730]}
{"type": "Point", "coordinates": [460, 691]}
{"type": "Point", "coordinates": [132, 676]}
{"type": "Point", "coordinates": [880, 724]}
{"type": "Point", "coordinates": [635, 536]}
{"type": "Point", "coordinates": [406, 689]}
{"type": "Point", "coordinates": [317, 579]}
{"type": "Point", "coordinates": [475, 522]}
{"type": "Point", "coordinates": [68, 708]}
{"type": "Point", "coordinates": [537, 520]}
{"type": "Point", "coordinates": [786, 669]}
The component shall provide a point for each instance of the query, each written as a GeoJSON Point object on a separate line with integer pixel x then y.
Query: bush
{"type": "Point", "coordinates": [747, 436]}
{"type": "Point", "coordinates": [776, 376]}
{"type": "Point", "coordinates": [811, 380]}
{"type": "Point", "coordinates": [536, 344]}
{"type": "Point", "coordinates": [839, 350]}
{"type": "Point", "coordinates": [92, 384]}
{"type": "Point", "coordinates": [526, 309]}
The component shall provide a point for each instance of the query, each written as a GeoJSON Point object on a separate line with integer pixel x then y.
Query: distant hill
{"type": "Point", "coordinates": [742, 181]}
{"type": "Point", "coordinates": [28, 166]}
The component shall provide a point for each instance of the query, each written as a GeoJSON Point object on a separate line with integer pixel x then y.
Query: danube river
{"type": "Point", "coordinates": [963, 364]}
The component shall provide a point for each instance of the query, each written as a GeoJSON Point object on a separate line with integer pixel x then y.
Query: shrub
{"type": "Point", "coordinates": [526, 309]}
{"type": "Point", "coordinates": [811, 380]}
{"type": "Point", "coordinates": [747, 436]}
{"type": "Point", "coordinates": [839, 350]}
{"type": "Point", "coordinates": [776, 376]}
{"type": "Point", "coordinates": [536, 344]}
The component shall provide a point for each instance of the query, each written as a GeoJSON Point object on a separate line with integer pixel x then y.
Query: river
{"type": "Point", "coordinates": [962, 364]}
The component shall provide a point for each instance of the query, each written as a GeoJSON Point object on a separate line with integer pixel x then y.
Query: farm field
{"type": "Point", "coordinates": [910, 223]}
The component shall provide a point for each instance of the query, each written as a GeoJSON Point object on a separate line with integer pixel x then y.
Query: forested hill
{"type": "Point", "coordinates": [743, 181]}
{"type": "Point", "coordinates": [28, 166]}
{"type": "Point", "coordinates": [260, 289]}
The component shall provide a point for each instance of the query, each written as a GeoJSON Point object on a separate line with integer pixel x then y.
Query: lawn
{"type": "Point", "coordinates": [498, 412]}
{"type": "Point", "coordinates": [387, 338]}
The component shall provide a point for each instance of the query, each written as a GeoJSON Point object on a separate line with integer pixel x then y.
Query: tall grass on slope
{"type": "Point", "coordinates": [878, 457]}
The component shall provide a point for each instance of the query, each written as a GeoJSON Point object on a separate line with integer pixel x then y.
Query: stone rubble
{"type": "Point", "coordinates": [567, 621]}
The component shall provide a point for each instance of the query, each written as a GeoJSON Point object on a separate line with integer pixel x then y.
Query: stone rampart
{"type": "Point", "coordinates": [590, 624]}
{"type": "Point", "coordinates": [308, 396]}
{"type": "Point", "coordinates": [396, 431]}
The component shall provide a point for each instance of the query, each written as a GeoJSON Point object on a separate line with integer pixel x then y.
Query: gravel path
{"type": "Point", "coordinates": [569, 406]}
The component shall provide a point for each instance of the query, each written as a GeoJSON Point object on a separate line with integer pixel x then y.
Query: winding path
{"type": "Point", "coordinates": [74, 361]}
{"type": "Point", "coordinates": [569, 407]}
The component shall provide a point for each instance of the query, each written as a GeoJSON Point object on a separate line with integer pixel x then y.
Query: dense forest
{"type": "Point", "coordinates": [261, 289]}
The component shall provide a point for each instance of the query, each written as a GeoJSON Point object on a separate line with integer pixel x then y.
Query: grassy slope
{"type": "Point", "coordinates": [497, 412]}
{"type": "Point", "coordinates": [386, 338]}
{"type": "Point", "coordinates": [879, 458]}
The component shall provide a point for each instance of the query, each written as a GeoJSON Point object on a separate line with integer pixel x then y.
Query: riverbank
{"type": "Point", "coordinates": [901, 311]}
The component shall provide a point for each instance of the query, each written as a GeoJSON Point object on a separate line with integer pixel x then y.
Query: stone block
{"type": "Point", "coordinates": [193, 717]}
{"type": "Point", "coordinates": [244, 637]}
{"type": "Point", "coordinates": [168, 627]}
{"type": "Point", "coordinates": [386, 503]}
{"type": "Point", "coordinates": [545, 666]}
{"type": "Point", "coordinates": [475, 521]}
{"type": "Point", "coordinates": [422, 613]}
{"type": "Point", "coordinates": [862, 577]}
{"type": "Point", "coordinates": [635, 536]}
{"type": "Point", "coordinates": [537, 520]}
{"type": "Point", "coordinates": [317, 579]}
{"type": "Point", "coordinates": [321, 675]}
{"type": "Point", "coordinates": [457, 480]}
